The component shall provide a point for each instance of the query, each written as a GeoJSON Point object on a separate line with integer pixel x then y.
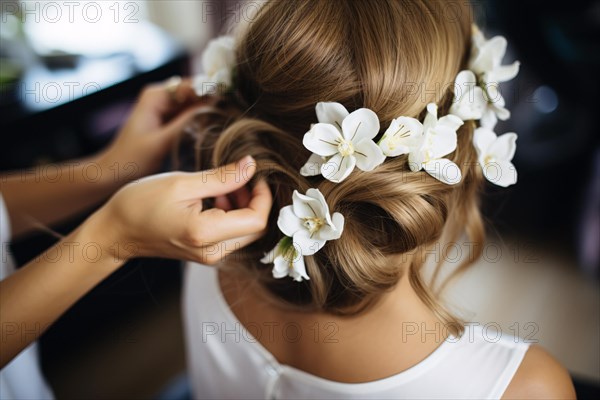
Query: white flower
{"type": "Point", "coordinates": [327, 113]}
{"type": "Point", "coordinates": [486, 58]}
{"type": "Point", "coordinates": [218, 61]}
{"type": "Point", "coordinates": [470, 101]}
{"type": "Point", "coordinates": [287, 261]}
{"type": "Point", "coordinates": [485, 62]}
{"type": "Point", "coordinates": [309, 223]}
{"type": "Point", "coordinates": [438, 140]}
{"type": "Point", "coordinates": [495, 107]}
{"type": "Point", "coordinates": [402, 135]}
{"type": "Point", "coordinates": [495, 154]}
{"type": "Point", "coordinates": [313, 165]}
{"type": "Point", "coordinates": [331, 113]}
{"type": "Point", "coordinates": [347, 145]}
{"type": "Point", "coordinates": [307, 226]}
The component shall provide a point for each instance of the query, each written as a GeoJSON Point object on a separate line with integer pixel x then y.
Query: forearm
{"type": "Point", "coordinates": [39, 293]}
{"type": "Point", "coordinates": [52, 193]}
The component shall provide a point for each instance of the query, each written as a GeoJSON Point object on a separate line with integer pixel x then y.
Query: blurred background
{"type": "Point", "coordinates": [70, 71]}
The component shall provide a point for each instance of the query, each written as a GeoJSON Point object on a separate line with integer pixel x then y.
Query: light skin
{"type": "Point", "coordinates": [160, 215]}
{"type": "Point", "coordinates": [356, 354]}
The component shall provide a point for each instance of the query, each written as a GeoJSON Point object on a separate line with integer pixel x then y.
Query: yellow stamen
{"type": "Point", "coordinates": [313, 224]}
{"type": "Point", "coordinates": [345, 148]}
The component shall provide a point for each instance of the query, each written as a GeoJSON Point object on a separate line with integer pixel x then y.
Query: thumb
{"type": "Point", "coordinates": [223, 180]}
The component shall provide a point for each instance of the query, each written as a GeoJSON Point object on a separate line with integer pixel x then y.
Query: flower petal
{"type": "Point", "coordinates": [306, 206]}
{"type": "Point", "coordinates": [402, 135]}
{"type": "Point", "coordinates": [368, 155]}
{"type": "Point", "coordinates": [500, 112]}
{"type": "Point", "coordinates": [360, 124]}
{"type": "Point", "coordinates": [298, 271]}
{"type": "Point", "coordinates": [488, 119]}
{"type": "Point", "coordinates": [451, 122]}
{"type": "Point", "coordinates": [333, 232]}
{"type": "Point", "coordinates": [338, 167]}
{"type": "Point", "coordinates": [331, 113]}
{"type": "Point", "coordinates": [490, 54]}
{"type": "Point", "coordinates": [219, 53]}
{"type": "Point", "coordinates": [222, 76]}
{"type": "Point", "coordinates": [470, 105]}
{"type": "Point", "coordinates": [307, 245]}
{"type": "Point", "coordinates": [503, 73]}
{"type": "Point", "coordinates": [503, 148]}
{"type": "Point", "coordinates": [322, 139]}
{"type": "Point", "coordinates": [465, 80]}
{"type": "Point", "coordinates": [500, 173]}
{"type": "Point", "coordinates": [483, 139]}
{"type": "Point", "coordinates": [493, 95]}
{"type": "Point", "coordinates": [444, 170]}
{"type": "Point", "coordinates": [441, 142]}
{"type": "Point", "coordinates": [270, 256]}
{"type": "Point", "coordinates": [313, 165]}
{"type": "Point", "coordinates": [315, 194]}
{"type": "Point", "coordinates": [416, 158]}
{"type": "Point", "coordinates": [338, 222]}
{"type": "Point", "coordinates": [202, 85]}
{"type": "Point", "coordinates": [322, 208]}
{"type": "Point", "coordinates": [318, 204]}
{"type": "Point", "coordinates": [431, 116]}
{"type": "Point", "coordinates": [281, 268]}
{"type": "Point", "coordinates": [288, 222]}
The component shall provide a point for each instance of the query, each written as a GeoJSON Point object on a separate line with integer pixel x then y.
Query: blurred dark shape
{"type": "Point", "coordinates": [553, 103]}
{"type": "Point", "coordinates": [60, 60]}
{"type": "Point", "coordinates": [590, 224]}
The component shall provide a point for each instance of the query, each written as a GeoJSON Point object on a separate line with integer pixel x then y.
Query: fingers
{"type": "Point", "coordinates": [223, 180]}
{"type": "Point", "coordinates": [223, 203]}
{"type": "Point", "coordinates": [238, 199]}
{"type": "Point", "coordinates": [165, 99]}
{"type": "Point", "coordinates": [227, 232]}
{"type": "Point", "coordinates": [218, 225]}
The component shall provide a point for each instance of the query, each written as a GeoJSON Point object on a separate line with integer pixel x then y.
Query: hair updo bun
{"type": "Point", "coordinates": [393, 57]}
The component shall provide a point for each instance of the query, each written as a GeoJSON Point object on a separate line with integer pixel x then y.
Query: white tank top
{"type": "Point", "coordinates": [226, 362]}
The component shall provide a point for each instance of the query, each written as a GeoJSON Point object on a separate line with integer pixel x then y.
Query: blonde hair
{"type": "Point", "coordinates": [391, 56]}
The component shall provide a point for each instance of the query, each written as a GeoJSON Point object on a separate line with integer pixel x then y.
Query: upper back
{"type": "Point", "coordinates": [229, 359]}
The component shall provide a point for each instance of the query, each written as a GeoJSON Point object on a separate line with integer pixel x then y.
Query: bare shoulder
{"type": "Point", "coordinates": [540, 376]}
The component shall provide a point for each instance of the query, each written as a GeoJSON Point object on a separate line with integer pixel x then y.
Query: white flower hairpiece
{"type": "Point", "coordinates": [307, 225]}
{"type": "Point", "coordinates": [477, 95]}
{"type": "Point", "coordinates": [438, 140]}
{"type": "Point", "coordinates": [341, 140]}
{"type": "Point", "coordinates": [218, 62]}
{"type": "Point", "coordinates": [286, 260]}
{"type": "Point", "coordinates": [344, 145]}
{"type": "Point", "coordinates": [494, 154]}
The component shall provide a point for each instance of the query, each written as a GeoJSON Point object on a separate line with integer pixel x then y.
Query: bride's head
{"type": "Point", "coordinates": [391, 56]}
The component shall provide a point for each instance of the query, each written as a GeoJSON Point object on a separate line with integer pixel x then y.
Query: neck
{"type": "Point", "coordinates": [349, 347]}
{"type": "Point", "coordinates": [402, 311]}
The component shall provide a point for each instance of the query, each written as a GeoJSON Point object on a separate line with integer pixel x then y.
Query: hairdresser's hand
{"type": "Point", "coordinates": [162, 215]}
{"type": "Point", "coordinates": [150, 131]}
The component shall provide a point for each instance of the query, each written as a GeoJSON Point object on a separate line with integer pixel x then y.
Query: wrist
{"type": "Point", "coordinates": [103, 241]}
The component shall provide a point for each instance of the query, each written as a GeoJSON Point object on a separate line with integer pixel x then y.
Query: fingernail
{"type": "Point", "coordinates": [247, 160]}
{"type": "Point", "coordinates": [245, 165]}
